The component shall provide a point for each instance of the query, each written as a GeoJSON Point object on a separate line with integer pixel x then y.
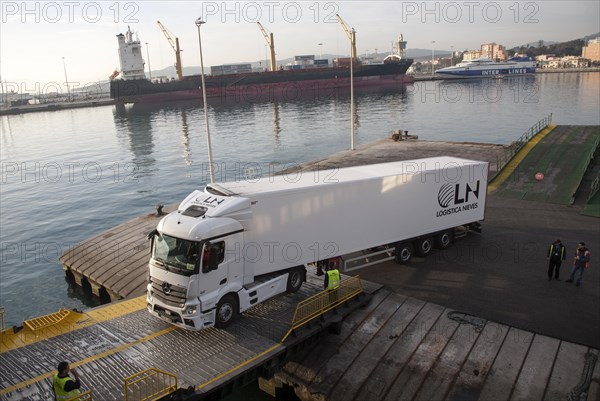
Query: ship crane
{"type": "Point", "coordinates": [175, 45]}
{"type": "Point", "coordinates": [351, 35]}
{"type": "Point", "coordinates": [271, 43]}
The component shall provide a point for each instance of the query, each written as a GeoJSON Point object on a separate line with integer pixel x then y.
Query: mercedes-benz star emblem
{"type": "Point", "coordinates": [166, 287]}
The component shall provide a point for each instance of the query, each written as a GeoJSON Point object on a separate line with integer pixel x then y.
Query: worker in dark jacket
{"type": "Point", "coordinates": [580, 263]}
{"type": "Point", "coordinates": [556, 254]}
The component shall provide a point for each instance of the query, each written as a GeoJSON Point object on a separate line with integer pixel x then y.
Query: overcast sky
{"type": "Point", "coordinates": [35, 36]}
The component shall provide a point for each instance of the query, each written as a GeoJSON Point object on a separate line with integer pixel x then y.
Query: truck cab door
{"type": "Point", "coordinates": [214, 267]}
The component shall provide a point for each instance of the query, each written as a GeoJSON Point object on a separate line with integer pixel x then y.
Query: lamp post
{"type": "Point", "coordinates": [66, 80]}
{"type": "Point", "coordinates": [148, 57]}
{"type": "Point", "coordinates": [320, 51]}
{"type": "Point", "coordinates": [452, 55]}
{"type": "Point", "coordinates": [210, 159]}
{"type": "Point", "coordinates": [352, 91]}
{"type": "Point", "coordinates": [432, 54]}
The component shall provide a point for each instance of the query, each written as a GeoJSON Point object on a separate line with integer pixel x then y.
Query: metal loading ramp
{"type": "Point", "coordinates": [122, 341]}
{"type": "Point", "coordinates": [562, 157]}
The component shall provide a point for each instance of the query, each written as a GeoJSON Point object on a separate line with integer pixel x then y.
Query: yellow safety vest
{"type": "Point", "coordinates": [59, 388]}
{"type": "Point", "coordinates": [333, 279]}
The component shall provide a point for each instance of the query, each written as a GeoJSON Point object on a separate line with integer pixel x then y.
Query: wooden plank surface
{"type": "Point", "coordinates": [503, 373]}
{"type": "Point", "coordinates": [116, 259]}
{"type": "Point", "coordinates": [351, 348]}
{"type": "Point", "coordinates": [448, 365]}
{"type": "Point", "coordinates": [469, 383]}
{"type": "Point", "coordinates": [302, 370]}
{"type": "Point", "coordinates": [418, 353]}
{"type": "Point", "coordinates": [357, 374]}
{"type": "Point", "coordinates": [536, 370]}
{"type": "Point", "coordinates": [385, 372]}
{"type": "Point", "coordinates": [566, 372]}
{"type": "Point", "coordinates": [408, 382]}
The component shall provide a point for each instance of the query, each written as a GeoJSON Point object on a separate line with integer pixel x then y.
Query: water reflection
{"type": "Point", "coordinates": [134, 125]}
{"type": "Point", "coordinates": [185, 138]}
{"type": "Point", "coordinates": [235, 121]}
{"type": "Point", "coordinates": [6, 134]}
{"type": "Point", "coordinates": [276, 125]}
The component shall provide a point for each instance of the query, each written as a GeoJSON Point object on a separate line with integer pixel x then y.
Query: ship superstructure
{"type": "Point", "coordinates": [130, 56]}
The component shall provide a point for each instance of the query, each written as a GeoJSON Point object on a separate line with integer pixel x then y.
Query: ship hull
{"type": "Point", "coordinates": [261, 86]}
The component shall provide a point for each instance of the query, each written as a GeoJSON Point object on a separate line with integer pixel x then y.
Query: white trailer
{"type": "Point", "coordinates": [236, 244]}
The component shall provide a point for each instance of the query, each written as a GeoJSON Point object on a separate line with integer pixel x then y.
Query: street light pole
{"type": "Point", "coordinates": [352, 91]}
{"type": "Point", "coordinates": [66, 80]}
{"type": "Point", "coordinates": [452, 55]}
{"type": "Point", "coordinates": [432, 53]}
{"type": "Point", "coordinates": [148, 57]}
{"type": "Point", "coordinates": [210, 159]}
{"type": "Point", "coordinates": [320, 51]}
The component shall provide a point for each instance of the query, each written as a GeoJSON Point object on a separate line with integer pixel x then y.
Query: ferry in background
{"type": "Point", "coordinates": [483, 67]}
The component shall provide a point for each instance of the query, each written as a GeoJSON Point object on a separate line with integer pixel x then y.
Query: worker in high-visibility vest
{"type": "Point", "coordinates": [332, 278]}
{"type": "Point", "coordinates": [556, 254]}
{"type": "Point", "coordinates": [64, 386]}
{"type": "Point", "coordinates": [332, 282]}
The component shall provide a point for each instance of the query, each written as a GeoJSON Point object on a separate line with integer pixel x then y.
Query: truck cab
{"type": "Point", "coordinates": [197, 275]}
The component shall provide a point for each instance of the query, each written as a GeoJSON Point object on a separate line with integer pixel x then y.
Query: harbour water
{"type": "Point", "coordinates": [70, 174]}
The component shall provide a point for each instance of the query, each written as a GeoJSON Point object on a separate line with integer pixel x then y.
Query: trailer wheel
{"type": "Point", "coordinates": [227, 311]}
{"type": "Point", "coordinates": [404, 252]}
{"type": "Point", "coordinates": [295, 279]}
{"type": "Point", "coordinates": [444, 240]}
{"type": "Point", "coordinates": [424, 246]}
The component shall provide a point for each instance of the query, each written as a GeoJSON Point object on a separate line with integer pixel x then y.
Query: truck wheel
{"type": "Point", "coordinates": [424, 246]}
{"type": "Point", "coordinates": [227, 310]}
{"type": "Point", "coordinates": [295, 279]}
{"type": "Point", "coordinates": [444, 240]}
{"type": "Point", "coordinates": [404, 252]}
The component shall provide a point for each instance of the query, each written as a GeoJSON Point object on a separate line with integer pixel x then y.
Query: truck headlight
{"type": "Point", "coordinates": [190, 310]}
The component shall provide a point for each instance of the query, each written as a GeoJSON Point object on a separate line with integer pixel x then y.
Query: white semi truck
{"type": "Point", "coordinates": [236, 244]}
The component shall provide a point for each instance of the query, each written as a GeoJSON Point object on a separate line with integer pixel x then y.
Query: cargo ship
{"type": "Point", "coordinates": [306, 77]}
{"type": "Point", "coordinates": [485, 67]}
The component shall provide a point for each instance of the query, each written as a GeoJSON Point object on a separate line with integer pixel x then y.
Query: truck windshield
{"type": "Point", "coordinates": [176, 253]}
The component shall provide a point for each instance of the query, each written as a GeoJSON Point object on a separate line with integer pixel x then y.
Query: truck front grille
{"type": "Point", "coordinates": [175, 297]}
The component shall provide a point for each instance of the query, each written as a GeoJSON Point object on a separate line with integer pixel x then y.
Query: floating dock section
{"type": "Point", "coordinates": [401, 348]}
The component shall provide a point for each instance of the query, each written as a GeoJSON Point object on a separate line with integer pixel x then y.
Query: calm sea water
{"type": "Point", "coordinates": [68, 175]}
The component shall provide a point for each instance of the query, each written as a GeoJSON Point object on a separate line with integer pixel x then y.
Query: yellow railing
{"type": "Point", "coordinates": [149, 384]}
{"type": "Point", "coordinates": [324, 301]}
{"type": "Point", "coordinates": [42, 322]}
{"type": "Point", "coordinates": [85, 396]}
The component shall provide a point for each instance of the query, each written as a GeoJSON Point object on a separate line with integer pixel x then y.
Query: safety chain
{"type": "Point", "coordinates": [579, 392]}
{"type": "Point", "coordinates": [466, 318]}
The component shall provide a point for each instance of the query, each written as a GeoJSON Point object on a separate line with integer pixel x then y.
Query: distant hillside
{"type": "Point", "coordinates": [426, 53]}
{"type": "Point", "coordinates": [560, 49]}
{"type": "Point", "coordinates": [537, 43]}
